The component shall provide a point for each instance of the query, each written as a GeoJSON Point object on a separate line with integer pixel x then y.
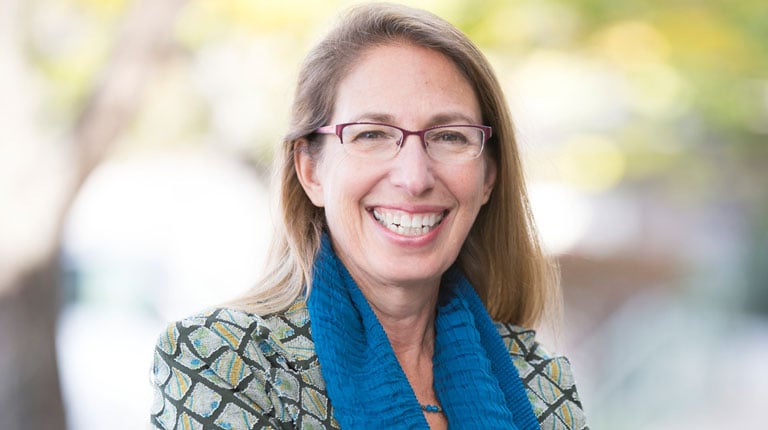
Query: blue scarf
{"type": "Point", "coordinates": [474, 378]}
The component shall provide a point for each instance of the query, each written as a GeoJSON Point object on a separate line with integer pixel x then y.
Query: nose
{"type": "Point", "coordinates": [412, 169]}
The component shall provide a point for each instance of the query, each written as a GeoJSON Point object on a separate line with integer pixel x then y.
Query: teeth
{"type": "Point", "coordinates": [428, 220]}
{"type": "Point", "coordinates": [416, 221]}
{"type": "Point", "coordinates": [407, 224]}
{"type": "Point", "coordinates": [405, 220]}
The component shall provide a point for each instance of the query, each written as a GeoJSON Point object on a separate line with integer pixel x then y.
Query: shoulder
{"type": "Point", "coordinates": [548, 379]}
{"type": "Point", "coordinates": [283, 336]}
{"type": "Point", "coordinates": [229, 367]}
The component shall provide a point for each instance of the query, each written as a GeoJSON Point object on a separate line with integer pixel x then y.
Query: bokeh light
{"type": "Point", "coordinates": [643, 127]}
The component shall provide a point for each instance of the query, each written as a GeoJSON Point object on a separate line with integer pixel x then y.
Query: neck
{"type": "Point", "coordinates": [407, 315]}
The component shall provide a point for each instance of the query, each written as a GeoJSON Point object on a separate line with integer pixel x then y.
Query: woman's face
{"type": "Point", "coordinates": [364, 201]}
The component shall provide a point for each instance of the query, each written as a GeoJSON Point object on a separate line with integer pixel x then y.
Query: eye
{"type": "Point", "coordinates": [448, 136]}
{"type": "Point", "coordinates": [370, 134]}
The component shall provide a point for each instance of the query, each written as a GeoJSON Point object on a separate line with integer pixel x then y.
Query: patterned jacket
{"type": "Point", "coordinates": [227, 369]}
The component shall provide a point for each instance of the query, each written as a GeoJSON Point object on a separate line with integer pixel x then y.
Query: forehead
{"type": "Point", "coordinates": [405, 81]}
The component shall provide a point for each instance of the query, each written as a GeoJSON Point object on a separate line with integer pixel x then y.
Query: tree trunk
{"type": "Point", "coordinates": [30, 395]}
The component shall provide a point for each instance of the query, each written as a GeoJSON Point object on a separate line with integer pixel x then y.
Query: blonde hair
{"type": "Point", "coordinates": [501, 255]}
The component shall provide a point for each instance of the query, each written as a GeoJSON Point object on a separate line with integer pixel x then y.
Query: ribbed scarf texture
{"type": "Point", "coordinates": [474, 378]}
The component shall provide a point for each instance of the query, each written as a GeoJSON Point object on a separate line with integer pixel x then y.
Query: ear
{"type": "Point", "coordinates": [306, 170]}
{"type": "Point", "coordinates": [490, 179]}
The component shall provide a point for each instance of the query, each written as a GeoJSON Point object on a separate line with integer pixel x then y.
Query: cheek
{"type": "Point", "coordinates": [470, 185]}
{"type": "Point", "coordinates": [344, 185]}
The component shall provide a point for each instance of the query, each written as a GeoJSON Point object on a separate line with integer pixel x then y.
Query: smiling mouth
{"type": "Point", "coordinates": [408, 224]}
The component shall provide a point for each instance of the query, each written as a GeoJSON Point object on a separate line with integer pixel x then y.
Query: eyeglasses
{"type": "Point", "coordinates": [445, 143]}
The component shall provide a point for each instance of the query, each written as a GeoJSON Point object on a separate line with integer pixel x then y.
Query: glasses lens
{"type": "Point", "coordinates": [371, 140]}
{"type": "Point", "coordinates": [455, 142]}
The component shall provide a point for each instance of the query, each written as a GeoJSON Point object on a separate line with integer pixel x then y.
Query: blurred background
{"type": "Point", "coordinates": [136, 139]}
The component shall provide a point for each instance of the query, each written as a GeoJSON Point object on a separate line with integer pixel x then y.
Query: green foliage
{"type": "Point", "coordinates": [697, 71]}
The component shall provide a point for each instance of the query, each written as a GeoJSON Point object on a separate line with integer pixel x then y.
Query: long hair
{"type": "Point", "coordinates": [501, 256]}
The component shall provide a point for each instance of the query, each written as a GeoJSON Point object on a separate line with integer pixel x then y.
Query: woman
{"type": "Point", "coordinates": [405, 232]}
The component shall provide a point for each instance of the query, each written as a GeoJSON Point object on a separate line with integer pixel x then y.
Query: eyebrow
{"type": "Point", "coordinates": [439, 119]}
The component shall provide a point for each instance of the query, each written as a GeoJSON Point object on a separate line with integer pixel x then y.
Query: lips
{"type": "Point", "coordinates": [408, 224]}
